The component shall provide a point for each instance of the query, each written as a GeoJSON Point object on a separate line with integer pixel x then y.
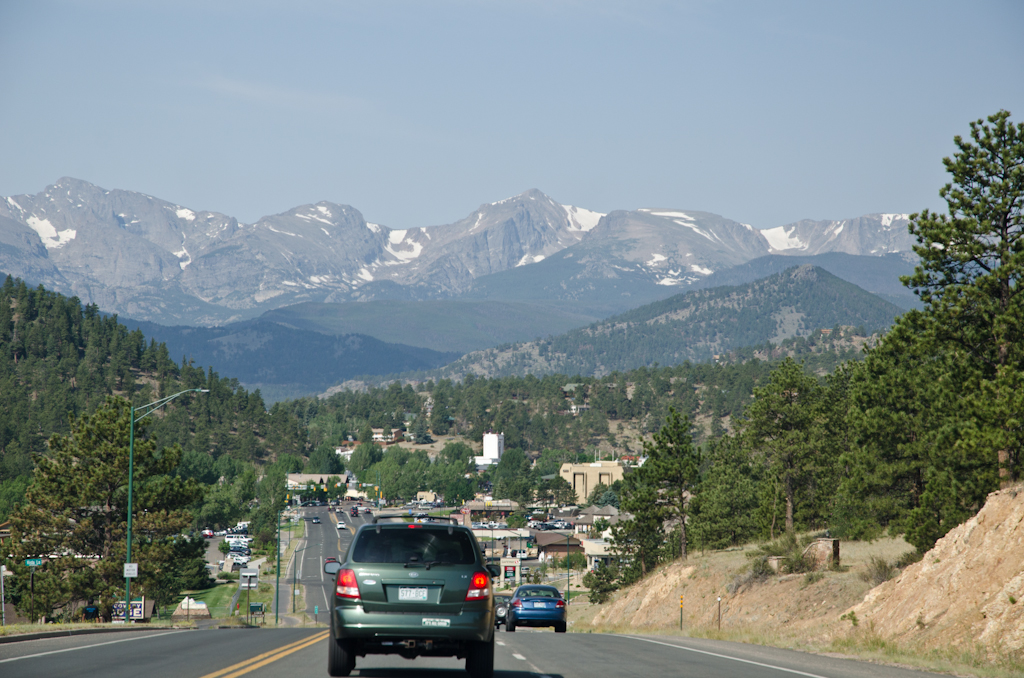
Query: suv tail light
{"type": "Point", "coordinates": [479, 586]}
{"type": "Point", "coordinates": [347, 586]}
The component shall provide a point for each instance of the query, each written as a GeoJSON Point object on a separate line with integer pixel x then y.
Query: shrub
{"type": "Point", "coordinates": [878, 571]}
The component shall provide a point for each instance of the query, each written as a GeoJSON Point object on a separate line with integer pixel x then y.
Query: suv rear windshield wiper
{"type": "Point", "coordinates": [437, 562]}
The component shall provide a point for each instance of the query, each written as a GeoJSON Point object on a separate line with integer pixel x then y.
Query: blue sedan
{"type": "Point", "coordinates": [536, 605]}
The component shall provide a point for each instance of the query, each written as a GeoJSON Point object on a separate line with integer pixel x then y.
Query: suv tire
{"type": "Point", "coordinates": [340, 658]}
{"type": "Point", "coordinates": [480, 662]}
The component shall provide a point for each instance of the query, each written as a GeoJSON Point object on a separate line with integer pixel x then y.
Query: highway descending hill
{"type": "Point", "coordinates": [298, 652]}
{"type": "Point", "coordinates": [302, 651]}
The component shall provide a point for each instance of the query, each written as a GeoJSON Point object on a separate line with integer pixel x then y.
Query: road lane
{"type": "Point", "coordinates": [158, 654]}
{"type": "Point", "coordinates": [272, 653]}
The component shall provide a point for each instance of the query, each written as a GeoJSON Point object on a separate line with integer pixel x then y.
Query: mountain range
{"type": "Point", "coordinates": [156, 261]}
{"type": "Point", "coordinates": [695, 326]}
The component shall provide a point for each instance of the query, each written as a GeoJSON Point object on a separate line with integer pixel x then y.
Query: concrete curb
{"type": "Point", "coordinates": [15, 638]}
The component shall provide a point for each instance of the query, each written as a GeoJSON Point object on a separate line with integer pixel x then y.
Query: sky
{"type": "Point", "coordinates": [415, 113]}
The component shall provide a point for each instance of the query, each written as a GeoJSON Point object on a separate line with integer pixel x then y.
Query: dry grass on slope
{"type": "Point", "coordinates": [800, 611]}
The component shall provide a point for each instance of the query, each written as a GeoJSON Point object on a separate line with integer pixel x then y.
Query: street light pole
{"type": "Point", "coordinates": [277, 562]}
{"type": "Point", "coordinates": [149, 409]}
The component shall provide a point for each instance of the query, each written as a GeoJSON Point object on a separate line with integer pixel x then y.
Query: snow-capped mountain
{"type": "Point", "coordinates": [871, 234]}
{"type": "Point", "coordinates": [149, 259]}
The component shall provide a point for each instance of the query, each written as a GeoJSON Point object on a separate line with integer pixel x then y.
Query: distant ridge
{"type": "Point", "coordinates": [692, 326]}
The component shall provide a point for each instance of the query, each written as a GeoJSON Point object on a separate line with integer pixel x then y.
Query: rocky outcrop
{"type": "Point", "coordinates": [967, 591]}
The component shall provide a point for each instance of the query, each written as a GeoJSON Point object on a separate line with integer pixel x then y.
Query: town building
{"type": "Point", "coordinates": [583, 478]}
{"type": "Point", "coordinates": [494, 447]}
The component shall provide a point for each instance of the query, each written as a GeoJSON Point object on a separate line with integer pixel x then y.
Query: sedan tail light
{"type": "Point", "coordinates": [517, 603]}
{"type": "Point", "coordinates": [479, 586]}
{"type": "Point", "coordinates": [347, 586]}
{"type": "Point", "coordinates": [560, 603]}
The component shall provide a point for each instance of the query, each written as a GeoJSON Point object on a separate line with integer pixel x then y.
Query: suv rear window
{"type": "Point", "coordinates": [402, 545]}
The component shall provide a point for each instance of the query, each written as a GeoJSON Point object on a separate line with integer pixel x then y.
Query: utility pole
{"type": "Point", "coordinates": [277, 562]}
{"type": "Point", "coordinates": [149, 408]}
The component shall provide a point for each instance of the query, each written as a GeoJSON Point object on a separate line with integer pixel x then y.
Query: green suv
{"type": "Point", "coordinates": [412, 589]}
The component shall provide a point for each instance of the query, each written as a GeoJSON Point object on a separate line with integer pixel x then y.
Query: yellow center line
{"type": "Point", "coordinates": [267, 657]}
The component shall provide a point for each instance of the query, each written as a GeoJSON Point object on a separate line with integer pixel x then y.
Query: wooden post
{"type": "Point", "coordinates": [719, 613]}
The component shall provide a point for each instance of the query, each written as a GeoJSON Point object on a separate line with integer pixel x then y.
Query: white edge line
{"type": "Point", "coordinates": [518, 656]}
{"type": "Point", "coordinates": [86, 647]}
{"type": "Point", "coordinates": [725, 656]}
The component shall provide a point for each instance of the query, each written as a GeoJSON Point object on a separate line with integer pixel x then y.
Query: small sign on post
{"type": "Point", "coordinates": [33, 562]}
{"type": "Point", "coordinates": [131, 570]}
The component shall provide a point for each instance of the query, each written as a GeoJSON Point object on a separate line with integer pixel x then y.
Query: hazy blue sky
{"type": "Point", "coordinates": [417, 112]}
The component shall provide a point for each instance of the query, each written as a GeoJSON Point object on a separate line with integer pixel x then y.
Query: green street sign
{"type": "Point", "coordinates": [33, 562]}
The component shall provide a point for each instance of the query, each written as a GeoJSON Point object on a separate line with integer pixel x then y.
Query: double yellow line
{"type": "Point", "coordinates": [267, 657]}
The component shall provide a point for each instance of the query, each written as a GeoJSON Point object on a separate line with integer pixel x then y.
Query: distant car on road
{"type": "Point", "coordinates": [501, 603]}
{"type": "Point", "coordinates": [316, 519]}
{"type": "Point", "coordinates": [536, 605]}
{"type": "Point", "coordinates": [341, 524]}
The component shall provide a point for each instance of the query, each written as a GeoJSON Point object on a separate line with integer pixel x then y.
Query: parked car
{"type": "Point", "coordinates": [412, 589]}
{"type": "Point", "coordinates": [536, 605]}
{"type": "Point", "coordinates": [501, 603]}
{"type": "Point", "coordinates": [207, 532]}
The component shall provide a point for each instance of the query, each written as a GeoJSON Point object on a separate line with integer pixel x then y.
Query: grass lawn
{"type": "Point", "coordinates": [217, 599]}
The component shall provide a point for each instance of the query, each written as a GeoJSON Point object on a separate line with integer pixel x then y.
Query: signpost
{"type": "Point", "coordinates": [251, 577]}
{"type": "Point", "coordinates": [33, 563]}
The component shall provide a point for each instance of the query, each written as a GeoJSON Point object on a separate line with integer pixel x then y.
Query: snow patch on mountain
{"type": "Point", "coordinates": [581, 219]}
{"type": "Point", "coordinates": [700, 269]}
{"type": "Point", "coordinates": [655, 258]}
{"type": "Point", "coordinates": [779, 239]}
{"type": "Point", "coordinates": [186, 214]}
{"type": "Point", "coordinates": [888, 219]}
{"type": "Point", "coordinates": [52, 239]}
{"type": "Point", "coordinates": [373, 227]}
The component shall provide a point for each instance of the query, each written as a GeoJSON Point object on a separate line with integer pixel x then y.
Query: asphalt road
{"type": "Point", "coordinates": [323, 540]}
{"type": "Point", "coordinates": [266, 653]}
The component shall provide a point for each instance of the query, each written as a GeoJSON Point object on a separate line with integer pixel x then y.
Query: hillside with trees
{"type": "Point", "coordinates": [696, 326]}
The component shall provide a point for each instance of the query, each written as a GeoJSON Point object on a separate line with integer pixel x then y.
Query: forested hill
{"type": "Point", "coordinates": [695, 326]}
{"type": "Point", "coordinates": [59, 360]}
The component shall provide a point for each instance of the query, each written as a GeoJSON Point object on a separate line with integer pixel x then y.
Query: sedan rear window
{"type": "Point", "coordinates": [539, 593]}
{"type": "Point", "coordinates": [405, 545]}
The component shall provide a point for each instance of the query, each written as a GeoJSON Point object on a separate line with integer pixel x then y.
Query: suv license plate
{"type": "Point", "coordinates": [436, 622]}
{"type": "Point", "coordinates": [412, 593]}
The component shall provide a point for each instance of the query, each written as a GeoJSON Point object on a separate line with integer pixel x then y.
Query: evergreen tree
{"type": "Point", "coordinates": [76, 508]}
{"type": "Point", "coordinates": [672, 467]}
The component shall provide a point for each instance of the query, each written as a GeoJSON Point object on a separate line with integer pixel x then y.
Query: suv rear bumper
{"type": "Point", "coordinates": [354, 623]}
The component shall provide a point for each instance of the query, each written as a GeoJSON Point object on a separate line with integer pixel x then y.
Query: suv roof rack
{"type": "Point", "coordinates": [428, 520]}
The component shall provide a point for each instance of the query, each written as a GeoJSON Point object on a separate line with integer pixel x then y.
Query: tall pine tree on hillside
{"type": "Point", "coordinates": [75, 514]}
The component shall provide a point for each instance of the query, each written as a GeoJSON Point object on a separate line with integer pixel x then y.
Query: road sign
{"type": "Point", "coordinates": [33, 562]}
{"type": "Point", "coordinates": [131, 570]}
{"type": "Point", "coordinates": [316, 609]}
{"type": "Point", "coordinates": [249, 578]}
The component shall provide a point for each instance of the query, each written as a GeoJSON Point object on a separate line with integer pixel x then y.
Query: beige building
{"type": "Point", "coordinates": [585, 477]}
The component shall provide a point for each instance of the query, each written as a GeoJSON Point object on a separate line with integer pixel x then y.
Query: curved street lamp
{"type": "Point", "coordinates": [146, 410]}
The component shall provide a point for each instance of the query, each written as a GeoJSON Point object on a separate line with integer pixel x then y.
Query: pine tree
{"type": "Point", "coordinates": [672, 467]}
{"type": "Point", "coordinates": [76, 507]}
